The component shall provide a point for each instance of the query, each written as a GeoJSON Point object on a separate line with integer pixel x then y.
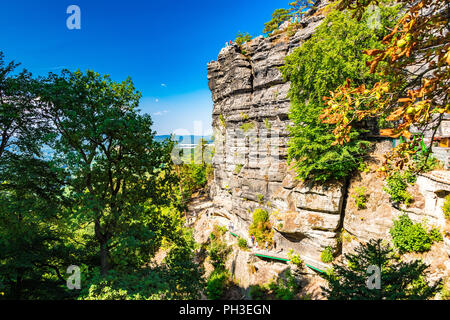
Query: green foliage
{"type": "Point", "coordinates": [267, 124]}
{"type": "Point", "coordinates": [296, 8]}
{"type": "Point", "coordinates": [445, 292]}
{"type": "Point", "coordinates": [244, 116]}
{"type": "Point", "coordinates": [257, 292]}
{"type": "Point", "coordinates": [399, 280]}
{"type": "Point", "coordinates": [242, 38]}
{"type": "Point", "coordinates": [283, 288]}
{"type": "Point", "coordinates": [320, 65]}
{"type": "Point", "coordinates": [360, 197]}
{"type": "Point", "coordinates": [238, 168]}
{"type": "Point", "coordinates": [218, 250]}
{"type": "Point", "coordinates": [327, 255]}
{"type": "Point", "coordinates": [222, 120]}
{"type": "Point", "coordinates": [295, 259]}
{"type": "Point", "coordinates": [446, 207]}
{"type": "Point", "coordinates": [413, 237]}
{"type": "Point", "coordinates": [102, 199]}
{"type": "Point", "coordinates": [397, 184]}
{"type": "Point", "coordinates": [425, 162]}
{"type": "Point", "coordinates": [260, 198]}
{"type": "Point", "coordinates": [247, 126]}
{"type": "Point", "coordinates": [260, 227]}
{"type": "Point", "coordinates": [242, 243]}
{"type": "Point", "coordinates": [178, 277]}
{"type": "Point", "coordinates": [192, 178]}
{"type": "Point", "coordinates": [217, 284]}
{"type": "Point", "coordinates": [278, 17]}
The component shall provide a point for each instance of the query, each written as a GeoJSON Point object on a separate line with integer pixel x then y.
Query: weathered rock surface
{"type": "Point", "coordinates": [250, 120]}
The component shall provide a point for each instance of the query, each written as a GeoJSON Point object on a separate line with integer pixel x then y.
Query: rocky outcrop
{"type": "Point", "coordinates": [250, 120]}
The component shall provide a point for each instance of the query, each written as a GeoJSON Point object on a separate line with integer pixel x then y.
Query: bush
{"type": "Point", "coordinates": [257, 292]}
{"type": "Point", "coordinates": [295, 258]}
{"type": "Point", "coordinates": [260, 227]}
{"type": "Point", "coordinates": [446, 207]}
{"type": "Point", "coordinates": [238, 168]}
{"type": "Point", "coordinates": [413, 237]}
{"type": "Point", "coordinates": [285, 289]}
{"type": "Point", "coordinates": [397, 184]}
{"type": "Point", "coordinates": [242, 243]}
{"type": "Point", "coordinates": [360, 197]}
{"type": "Point", "coordinates": [218, 252]}
{"type": "Point", "coordinates": [217, 284]}
{"type": "Point", "coordinates": [327, 255]}
{"type": "Point", "coordinates": [242, 38]}
{"type": "Point", "coordinates": [247, 126]}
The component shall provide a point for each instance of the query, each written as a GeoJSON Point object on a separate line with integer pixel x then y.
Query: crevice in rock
{"type": "Point", "coordinates": [343, 208]}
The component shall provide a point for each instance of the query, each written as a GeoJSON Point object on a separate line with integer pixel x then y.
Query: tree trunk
{"type": "Point", "coordinates": [104, 258]}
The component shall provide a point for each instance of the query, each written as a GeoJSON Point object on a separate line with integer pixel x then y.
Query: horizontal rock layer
{"type": "Point", "coordinates": [250, 120]}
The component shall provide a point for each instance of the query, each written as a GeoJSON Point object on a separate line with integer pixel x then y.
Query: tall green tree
{"type": "Point", "coordinates": [118, 172]}
{"type": "Point", "coordinates": [21, 122]}
{"type": "Point", "coordinates": [33, 250]}
{"type": "Point", "coordinates": [399, 280]}
{"type": "Point", "coordinates": [278, 17]}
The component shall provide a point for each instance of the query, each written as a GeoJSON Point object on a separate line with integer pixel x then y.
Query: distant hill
{"type": "Point", "coordinates": [185, 139]}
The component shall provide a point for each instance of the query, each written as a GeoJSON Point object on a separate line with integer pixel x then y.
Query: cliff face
{"type": "Point", "coordinates": [250, 120]}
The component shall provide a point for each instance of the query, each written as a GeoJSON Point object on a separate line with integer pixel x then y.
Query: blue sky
{"type": "Point", "coordinates": [163, 45]}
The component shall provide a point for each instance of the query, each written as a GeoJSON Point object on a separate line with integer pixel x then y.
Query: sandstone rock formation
{"type": "Point", "coordinates": [250, 120]}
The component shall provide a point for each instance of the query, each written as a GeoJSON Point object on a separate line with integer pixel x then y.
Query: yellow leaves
{"type": "Point", "coordinates": [373, 52]}
{"type": "Point", "coordinates": [447, 57]}
{"type": "Point", "coordinates": [389, 133]}
{"type": "Point", "coordinates": [396, 115]}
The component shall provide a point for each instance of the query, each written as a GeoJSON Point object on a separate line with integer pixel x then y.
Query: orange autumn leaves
{"type": "Point", "coordinates": [417, 50]}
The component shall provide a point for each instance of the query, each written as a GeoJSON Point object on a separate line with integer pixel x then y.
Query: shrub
{"type": "Point", "coordinates": [327, 255]}
{"type": "Point", "coordinates": [284, 289]}
{"type": "Point", "coordinates": [238, 168]}
{"type": "Point", "coordinates": [260, 227]}
{"type": "Point", "coordinates": [360, 197]}
{"type": "Point", "coordinates": [446, 207]}
{"type": "Point", "coordinates": [242, 38]}
{"type": "Point", "coordinates": [247, 126]}
{"type": "Point", "coordinates": [413, 237]}
{"type": "Point", "coordinates": [242, 243]}
{"type": "Point", "coordinates": [267, 124]}
{"type": "Point", "coordinates": [217, 284]}
{"type": "Point", "coordinates": [257, 292]}
{"type": "Point", "coordinates": [295, 258]}
{"type": "Point", "coordinates": [223, 122]}
{"type": "Point", "coordinates": [217, 249]}
{"type": "Point", "coordinates": [397, 184]}
{"type": "Point", "coordinates": [260, 198]}
{"type": "Point", "coordinates": [244, 116]}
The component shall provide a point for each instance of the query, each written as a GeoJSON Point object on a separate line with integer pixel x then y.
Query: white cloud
{"type": "Point", "coordinates": [156, 100]}
{"type": "Point", "coordinates": [160, 113]}
{"type": "Point", "coordinates": [163, 85]}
